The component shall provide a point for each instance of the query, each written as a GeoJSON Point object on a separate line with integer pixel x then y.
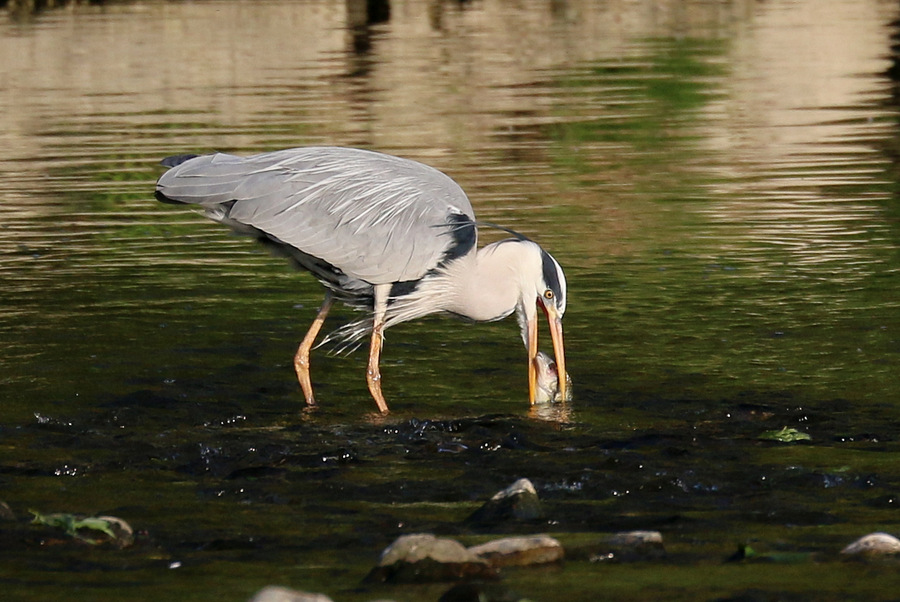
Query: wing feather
{"type": "Point", "coordinates": [376, 217]}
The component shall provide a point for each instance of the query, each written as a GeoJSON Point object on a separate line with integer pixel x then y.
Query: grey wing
{"type": "Point", "coordinates": [375, 217]}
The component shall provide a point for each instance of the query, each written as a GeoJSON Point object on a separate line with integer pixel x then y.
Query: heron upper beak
{"type": "Point", "coordinates": [556, 335]}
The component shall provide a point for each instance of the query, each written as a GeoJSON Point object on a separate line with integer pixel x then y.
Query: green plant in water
{"type": "Point", "coordinates": [786, 435]}
{"type": "Point", "coordinates": [84, 529]}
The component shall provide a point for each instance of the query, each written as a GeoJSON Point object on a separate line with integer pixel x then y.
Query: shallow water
{"type": "Point", "coordinates": [718, 180]}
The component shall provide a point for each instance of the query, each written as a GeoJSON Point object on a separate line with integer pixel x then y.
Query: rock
{"type": "Point", "coordinates": [276, 593]}
{"type": "Point", "coordinates": [424, 557]}
{"type": "Point", "coordinates": [637, 538]}
{"type": "Point", "coordinates": [873, 544]}
{"type": "Point", "coordinates": [415, 548]}
{"type": "Point", "coordinates": [520, 551]}
{"type": "Point", "coordinates": [519, 502]}
{"type": "Point", "coordinates": [627, 546]}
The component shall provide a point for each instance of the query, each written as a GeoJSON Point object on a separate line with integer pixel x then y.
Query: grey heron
{"type": "Point", "coordinates": [391, 235]}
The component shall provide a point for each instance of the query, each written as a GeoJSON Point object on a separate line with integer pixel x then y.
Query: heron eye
{"type": "Point", "coordinates": [548, 294]}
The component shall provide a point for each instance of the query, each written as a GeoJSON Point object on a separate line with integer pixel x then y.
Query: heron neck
{"type": "Point", "coordinates": [486, 284]}
{"type": "Point", "coordinates": [483, 286]}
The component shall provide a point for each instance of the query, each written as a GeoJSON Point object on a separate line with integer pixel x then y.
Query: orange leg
{"type": "Point", "coordinates": [301, 359]}
{"type": "Point", "coordinates": [373, 372]}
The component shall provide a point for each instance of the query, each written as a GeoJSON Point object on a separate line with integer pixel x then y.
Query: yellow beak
{"type": "Point", "coordinates": [556, 335]}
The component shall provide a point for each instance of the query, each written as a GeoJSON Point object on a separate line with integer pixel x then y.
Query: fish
{"type": "Point", "coordinates": [547, 390]}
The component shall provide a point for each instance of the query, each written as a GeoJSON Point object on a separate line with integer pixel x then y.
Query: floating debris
{"type": "Point", "coordinates": [745, 553]}
{"type": "Point", "coordinates": [786, 435]}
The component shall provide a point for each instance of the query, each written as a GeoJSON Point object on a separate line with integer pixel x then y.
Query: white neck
{"type": "Point", "coordinates": [487, 288]}
{"type": "Point", "coordinates": [482, 286]}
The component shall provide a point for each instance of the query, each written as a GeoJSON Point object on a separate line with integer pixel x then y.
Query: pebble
{"type": "Point", "coordinates": [518, 502]}
{"type": "Point", "coordinates": [626, 546]}
{"type": "Point", "coordinates": [423, 557]}
{"type": "Point", "coordinates": [636, 538]}
{"type": "Point", "coordinates": [873, 544]}
{"type": "Point", "coordinates": [520, 551]}
{"type": "Point", "coordinates": [276, 593]}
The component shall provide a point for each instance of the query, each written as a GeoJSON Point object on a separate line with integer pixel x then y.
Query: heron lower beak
{"type": "Point", "coordinates": [556, 336]}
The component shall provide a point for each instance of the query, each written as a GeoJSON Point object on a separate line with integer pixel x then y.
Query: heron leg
{"type": "Point", "coordinates": [301, 358]}
{"type": "Point", "coordinates": [373, 372]}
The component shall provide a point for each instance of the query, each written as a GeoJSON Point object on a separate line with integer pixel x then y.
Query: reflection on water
{"type": "Point", "coordinates": [717, 179]}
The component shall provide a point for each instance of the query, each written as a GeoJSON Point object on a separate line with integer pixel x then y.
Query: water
{"type": "Point", "coordinates": [718, 179]}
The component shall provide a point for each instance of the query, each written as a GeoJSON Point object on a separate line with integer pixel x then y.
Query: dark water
{"type": "Point", "coordinates": [718, 179]}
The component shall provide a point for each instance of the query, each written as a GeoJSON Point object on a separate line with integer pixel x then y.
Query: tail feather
{"type": "Point", "coordinates": [176, 160]}
{"type": "Point", "coordinates": [164, 199]}
{"type": "Point", "coordinates": [349, 337]}
{"type": "Point", "coordinates": [172, 162]}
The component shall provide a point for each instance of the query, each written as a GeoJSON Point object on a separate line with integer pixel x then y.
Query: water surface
{"type": "Point", "coordinates": [717, 179]}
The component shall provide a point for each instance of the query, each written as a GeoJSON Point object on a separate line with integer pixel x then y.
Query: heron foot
{"type": "Point", "coordinates": [301, 358]}
{"type": "Point", "coordinates": [373, 380]}
{"type": "Point", "coordinates": [301, 367]}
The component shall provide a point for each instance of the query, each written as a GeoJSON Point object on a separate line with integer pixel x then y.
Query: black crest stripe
{"type": "Point", "coordinates": [551, 276]}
